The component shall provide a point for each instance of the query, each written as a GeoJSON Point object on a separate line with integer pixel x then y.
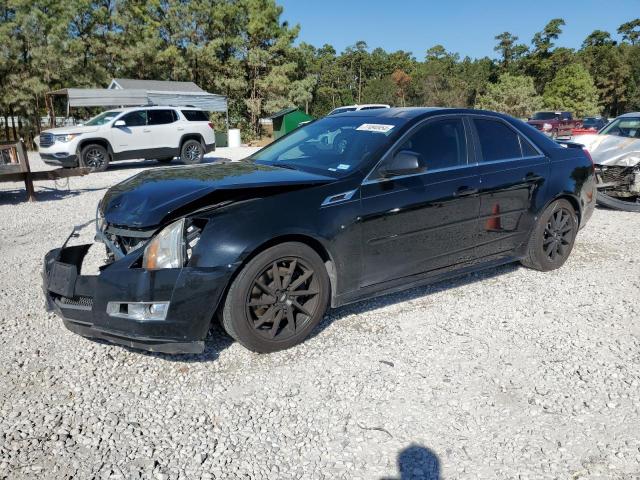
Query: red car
{"type": "Point", "coordinates": [554, 124]}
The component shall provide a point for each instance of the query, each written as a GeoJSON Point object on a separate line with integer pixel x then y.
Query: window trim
{"type": "Point", "coordinates": [517, 131]}
{"type": "Point", "coordinates": [399, 142]}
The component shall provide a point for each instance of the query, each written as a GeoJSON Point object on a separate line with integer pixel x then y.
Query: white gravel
{"type": "Point", "coordinates": [507, 374]}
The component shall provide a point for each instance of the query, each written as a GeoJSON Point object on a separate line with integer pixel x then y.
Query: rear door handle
{"type": "Point", "coordinates": [532, 177]}
{"type": "Point", "coordinates": [465, 191]}
{"type": "Point", "coordinates": [146, 130]}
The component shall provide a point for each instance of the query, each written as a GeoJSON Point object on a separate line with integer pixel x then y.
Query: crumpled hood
{"type": "Point", "coordinates": [68, 130]}
{"type": "Point", "coordinates": [148, 198]}
{"type": "Point", "coordinates": [611, 149]}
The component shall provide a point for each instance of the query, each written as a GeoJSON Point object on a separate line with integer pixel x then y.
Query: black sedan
{"type": "Point", "coordinates": [345, 208]}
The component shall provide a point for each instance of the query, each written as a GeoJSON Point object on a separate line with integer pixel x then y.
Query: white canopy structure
{"type": "Point", "coordinates": [130, 93]}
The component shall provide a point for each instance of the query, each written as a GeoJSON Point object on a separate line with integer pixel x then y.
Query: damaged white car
{"type": "Point", "coordinates": [616, 154]}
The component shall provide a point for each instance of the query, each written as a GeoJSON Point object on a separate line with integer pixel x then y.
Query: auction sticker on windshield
{"type": "Point", "coordinates": [374, 127]}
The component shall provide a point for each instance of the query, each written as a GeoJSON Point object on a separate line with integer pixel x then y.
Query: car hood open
{"type": "Point", "coordinates": [154, 196]}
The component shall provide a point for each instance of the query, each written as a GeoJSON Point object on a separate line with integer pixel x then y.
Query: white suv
{"type": "Point", "coordinates": [159, 133]}
{"type": "Point", "coordinates": [357, 108]}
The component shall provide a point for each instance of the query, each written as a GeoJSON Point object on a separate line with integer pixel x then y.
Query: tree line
{"type": "Point", "coordinates": [243, 49]}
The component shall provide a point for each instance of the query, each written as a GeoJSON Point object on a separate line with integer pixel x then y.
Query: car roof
{"type": "Point", "coordinates": [414, 112]}
{"type": "Point", "coordinates": [630, 114]}
{"type": "Point", "coordinates": [153, 107]}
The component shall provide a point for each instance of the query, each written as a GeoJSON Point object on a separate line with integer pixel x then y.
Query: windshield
{"type": "Point", "coordinates": [623, 127]}
{"type": "Point", "coordinates": [333, 145]}
{"type": "Point", "coordinates": [103, 118]}
{"type": "Point", "coordinates": [544, 115]}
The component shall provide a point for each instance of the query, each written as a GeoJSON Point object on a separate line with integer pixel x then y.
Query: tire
{"type": "Point", "coordinates": [270, 317]}
{"type": "Point", "coordinates": [613, 203]}
{"type": "Point", "coordinates": [164, 160]}
{"type": "Point", "coordinates": [95, 157]}
{"type": "Point", "coordinates": [552, 238]}
{"type": "Point", "coordinates": [192, 152]}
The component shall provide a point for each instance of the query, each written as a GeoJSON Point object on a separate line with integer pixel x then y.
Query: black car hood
{"type": "Point", "coordinates": [152, 197]}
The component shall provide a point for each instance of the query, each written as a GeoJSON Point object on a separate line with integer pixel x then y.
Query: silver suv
{"type": "Point", "coordinates": [159, 133]}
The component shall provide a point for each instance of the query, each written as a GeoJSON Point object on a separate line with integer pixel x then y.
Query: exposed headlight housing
{"type": "Point", "coordinates": [166, 249]}
{"type": "Point", "coordinates": [66, 137]}
{"type": "Point", "coordinates": [546, 127]}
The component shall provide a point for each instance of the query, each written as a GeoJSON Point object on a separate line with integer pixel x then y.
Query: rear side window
{"type": "Point", "coordinates": [440, 143]}
{"type": "Point", "coordinates": [195, 115]}
{"type": "Point", "coordinates": [497, 140]}
{"type": "Point", "coordinates": [161, 117]}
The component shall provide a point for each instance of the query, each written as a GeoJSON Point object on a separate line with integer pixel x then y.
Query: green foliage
{"type": "Point", "coordinates": [243, 49]}
{"type": "Point", "coordinates": [572, 90]}
{"type": "Point", "coordinates": [512, 94]}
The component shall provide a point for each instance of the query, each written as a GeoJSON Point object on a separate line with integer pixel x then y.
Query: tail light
{"type": "Point", "coordinates": [593, 165]}
{"type": "Point", "coordinates": [211, 125]}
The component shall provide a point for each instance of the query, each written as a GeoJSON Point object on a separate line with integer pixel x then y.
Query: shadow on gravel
{"type": "Point", "coordinates": [217, 340]}
{"type": "Point", "coordinates": [43, 194]}
{"type": "Point", "coordinates": [408, 295]}
{"type": "Point", "coordinates": [417, 463]}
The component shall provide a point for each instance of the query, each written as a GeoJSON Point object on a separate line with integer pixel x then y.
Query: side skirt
{"type": "Point", "coordinates": [414, 281]}
{"type": "Point", "coordinates": [147, 153]}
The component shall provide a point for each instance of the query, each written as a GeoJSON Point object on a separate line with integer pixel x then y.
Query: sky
{"type": "Point", "coordinates": [463, 26]}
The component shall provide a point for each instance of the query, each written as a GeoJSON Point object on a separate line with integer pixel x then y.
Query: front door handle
{"type": "Point", "coordinates": [465, 191]}
{"type": "Point", "coordinates": [146, 130]}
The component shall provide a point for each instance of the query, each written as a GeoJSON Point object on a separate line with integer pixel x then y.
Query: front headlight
{"type": "Point", "coordinates": [66, 138]}
{"type": "Point", "coordinates": [166, 249]}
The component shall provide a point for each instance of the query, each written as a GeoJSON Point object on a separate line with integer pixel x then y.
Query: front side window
{"type": "Point", "coordinates": [137, 118]}
{"type": "Point", "coordinates": [497, 140]}
{"type": "Point", "coordinates": [161, 117]}
{"type": "Point", "coordinates": [334, 146]}
{"type": "Point", "coordinates": [439, 144]}
{"type": "Point", "coordinates": [623, 127]}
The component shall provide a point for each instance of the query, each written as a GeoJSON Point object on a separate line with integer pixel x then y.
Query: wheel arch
{"type": "Point", "coordinates": [572, 199]}
{"type": "Point", "coordinates": [190, 136]}
{"type": "Point", "coordinates": [307, 240]}
{"type": "Point", "coordinates": [98, 141]}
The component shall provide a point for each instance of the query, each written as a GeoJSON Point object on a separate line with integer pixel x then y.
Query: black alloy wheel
{"type": "Point", "coordinates": [95, 157]}
{"type": "Point", "coordinates": [552, 238]}
{"type": "Point", "coordinates": [277, 298]}
{"type": "Point", "coordinates": [283, 298]}
{"type": "Point", "coordinates": [192, 152]}
{"type": "Point", "coordinates": [558, 234]}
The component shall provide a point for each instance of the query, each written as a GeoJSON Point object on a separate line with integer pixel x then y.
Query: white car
{"type": "Point", "coordinates": [354, 108]}
{"type": "Point", "coordinates": [159, 133]}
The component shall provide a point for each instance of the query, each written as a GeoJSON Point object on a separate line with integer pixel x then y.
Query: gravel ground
{"type": "Point", "coordinates": [506, 374]}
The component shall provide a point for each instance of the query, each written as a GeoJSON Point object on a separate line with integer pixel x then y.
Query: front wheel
{"type": "Point", "coordinates": [192, 152]}
{"type": "Point", "coordinates": [277, 298]}
{"type": "Point", "coordinates": [95, 157]}
{"type": "Point", "coordinates": [553, 237]}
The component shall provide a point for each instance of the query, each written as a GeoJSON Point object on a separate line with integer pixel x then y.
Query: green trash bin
{"type": "Point", "coordinates": [222, 139]}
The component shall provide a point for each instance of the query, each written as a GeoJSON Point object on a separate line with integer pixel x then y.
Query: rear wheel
{"type": "Point", "coordinates": [192, 152]}
{"type": "Point", "coordinates": [553, 237]}
{"type": "Point", "coordinates": [95, 157]}
{"type": "Point", "coordinates": [277, 298]}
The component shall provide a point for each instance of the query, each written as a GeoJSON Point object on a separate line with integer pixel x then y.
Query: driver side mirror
{"type": "Point", "coordinates": [404, 162]}
{"type": "Point", "coordinates": [119, 123]}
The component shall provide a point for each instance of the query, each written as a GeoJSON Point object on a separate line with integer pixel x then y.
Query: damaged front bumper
{"type": "Point", "coordinates": [192, 295]}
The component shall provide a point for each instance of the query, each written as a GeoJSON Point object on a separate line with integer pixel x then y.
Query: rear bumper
{"type": "Point", "coordinates": [60, 159]}
{"type": "Point", "coordinates": [80, 300]}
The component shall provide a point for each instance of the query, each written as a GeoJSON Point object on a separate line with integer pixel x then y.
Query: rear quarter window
{"type": "Point", "coordinates": [195, 115]}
